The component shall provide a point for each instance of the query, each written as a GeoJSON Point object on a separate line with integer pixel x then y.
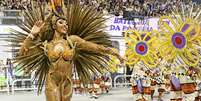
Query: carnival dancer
{"type": "Point", "coordinates": [188, 85]}
{"type": "Point", "coordinates": [71, 36]}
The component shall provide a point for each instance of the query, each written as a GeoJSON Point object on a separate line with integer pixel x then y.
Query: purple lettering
{"type": "Point", "coordinates": [120, 21]}
{"type": "Point", "coordinates": [125, 28]}
{"type": "Point", "coordinates": [112, 27]}
{"type": "Point", "coordinates": [118, 28]}
{"type": "Point", "coordinates": [116, 20]}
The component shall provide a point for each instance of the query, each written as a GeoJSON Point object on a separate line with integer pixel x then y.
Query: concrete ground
{"type": "Point", "coordinates": [114, 95]}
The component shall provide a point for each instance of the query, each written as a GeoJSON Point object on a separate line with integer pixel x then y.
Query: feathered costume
{"type": "Point", "coordinates": [86, 39]}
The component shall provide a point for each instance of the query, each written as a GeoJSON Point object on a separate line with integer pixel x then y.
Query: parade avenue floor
{"type": "Point", "coordinates": [118, 94]}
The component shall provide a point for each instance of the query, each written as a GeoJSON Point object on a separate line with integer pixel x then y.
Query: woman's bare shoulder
{"type": "Point", "coordinates": [75, 38]}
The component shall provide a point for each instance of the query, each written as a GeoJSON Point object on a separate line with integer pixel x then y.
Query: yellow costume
{"type": "Point", "coordinates": [181, 35]}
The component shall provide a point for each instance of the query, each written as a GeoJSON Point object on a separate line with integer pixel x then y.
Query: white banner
{"type": "Point", "coordinates": [116, 25]}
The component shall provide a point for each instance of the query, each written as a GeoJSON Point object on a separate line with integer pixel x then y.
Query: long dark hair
{"type": "Point", "coordinates": [47, 32]}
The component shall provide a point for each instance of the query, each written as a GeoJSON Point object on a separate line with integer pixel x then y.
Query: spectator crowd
{"type": "Point", "coordinates": [115, 7]}
{"type": "Point", "coordinates": [14, 4]}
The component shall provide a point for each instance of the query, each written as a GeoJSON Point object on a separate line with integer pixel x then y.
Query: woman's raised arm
{"type": "Point", "coordinates": [29, 40]}
{"type": "Point", "coordinates": [90, 46]}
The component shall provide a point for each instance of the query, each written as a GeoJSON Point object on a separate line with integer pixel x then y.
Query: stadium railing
{"type": "Point", "coordinates": [121, 81]}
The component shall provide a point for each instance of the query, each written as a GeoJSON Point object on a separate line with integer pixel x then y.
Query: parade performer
{"type": "Point", "coordinates": [181, 41]}
{"type": "Point", "coordinates": [141, 51]}
{"type": "Point", "coordinates": [70, 36]}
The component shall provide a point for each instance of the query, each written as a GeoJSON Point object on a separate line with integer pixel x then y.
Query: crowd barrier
{"type": "Point", "coordinates": [32, 86]}
{"type": "Point", "coordinates": [4, 86]}
{"type": "Point", "coordinates": [121, 81]}
{"type": "Point", "coordinates": [10, 86]}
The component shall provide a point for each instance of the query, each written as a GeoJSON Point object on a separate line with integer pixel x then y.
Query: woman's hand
{"type": "Point", "coordinates": [121, 59]}
{"type": "Point", "coordinates": [37, 27]}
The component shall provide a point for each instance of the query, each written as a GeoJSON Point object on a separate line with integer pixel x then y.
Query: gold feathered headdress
{"type": "Point", "coordinates": [84, 22]}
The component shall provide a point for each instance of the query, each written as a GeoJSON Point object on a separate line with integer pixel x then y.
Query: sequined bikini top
{"type": "Point", "coordinates": [60, 50]}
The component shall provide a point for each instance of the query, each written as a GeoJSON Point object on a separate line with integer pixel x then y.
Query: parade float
{"type": "Point", "coordinates": [174, 46]}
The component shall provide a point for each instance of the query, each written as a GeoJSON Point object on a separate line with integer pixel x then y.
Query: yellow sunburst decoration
{"type": "Point", "coordinates": [181, 32]}
{"type": "Point", "coordinates": [141, 46]}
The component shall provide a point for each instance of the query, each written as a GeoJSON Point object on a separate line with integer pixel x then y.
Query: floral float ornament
{"type": "Point", "coordinates": [141, 46]}
{"type": "Point", "coordinates": [181, 36]}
